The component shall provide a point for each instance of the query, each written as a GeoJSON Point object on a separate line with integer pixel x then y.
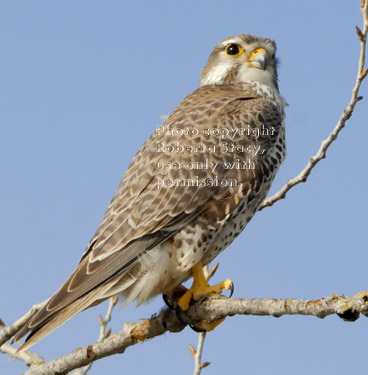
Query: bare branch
{"type": "Point", "coordinates": [104, 333]}
{"type": "Point", "coordinates": [216, 308]}
{"type": "Point", "coordinates": [8, 332]}
{"type": "Point", "coordinates": [27, 356]}
{"type": "Point", "coordinates": [198, 365]}
{"type": "Point", "coordinates": [197, 354]}
{"type": "Point", "coordinates": [346, 114]}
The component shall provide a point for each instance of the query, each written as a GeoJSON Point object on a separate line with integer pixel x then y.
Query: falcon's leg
{"type": "Point", "coordinates": [200, 289]}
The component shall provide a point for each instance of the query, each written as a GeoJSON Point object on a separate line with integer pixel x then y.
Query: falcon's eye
{"type": "Point", "coordinates": [234, 50]}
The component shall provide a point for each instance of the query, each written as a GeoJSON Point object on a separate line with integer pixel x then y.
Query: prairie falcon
{"type": "Point", "coordinates": [189, 191]}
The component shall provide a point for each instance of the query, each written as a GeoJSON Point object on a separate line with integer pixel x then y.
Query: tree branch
{"type": "Point", "coordinates": [348, 309]}
{"type": "Point", "coordinates": [104, 333]}
{"type": "Point", "coordinates": [346, 114]}
{"type": "Point", "coordinates": [26, 356]}
{"type": "Point", "coordinates": [8, 332]}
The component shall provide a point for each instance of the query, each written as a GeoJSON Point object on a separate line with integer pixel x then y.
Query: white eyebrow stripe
{"type": "Point", "coordinates": [230, 41]}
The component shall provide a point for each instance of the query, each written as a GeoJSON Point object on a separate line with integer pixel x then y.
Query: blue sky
{"type": "Point", "coordinates": [83, 84]}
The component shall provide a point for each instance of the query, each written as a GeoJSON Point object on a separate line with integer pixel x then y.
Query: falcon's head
{"type": "Point", "coordinates": [241, 58]}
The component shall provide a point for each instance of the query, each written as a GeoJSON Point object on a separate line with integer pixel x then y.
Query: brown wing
{"type": "Point", "coordinates": [144, 212]}
{"type": "Point", "coordinates": [139, 208]}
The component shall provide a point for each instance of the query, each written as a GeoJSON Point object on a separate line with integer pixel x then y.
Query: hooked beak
{"type": "Point", "coordinates": [258, 58]}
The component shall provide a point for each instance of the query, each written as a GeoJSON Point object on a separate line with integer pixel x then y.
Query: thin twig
{"type": "Point", "coordinates": [197, 353]}
{"type": "Point", "coordinates": [26, 356]}
{"type": "Point", "coordinates": [8, 332]}
{"type": "Point", "coordinates": [346, 114]}
{"type": "Point", "coordinates": [103, 333]}
{"type": "Point", "coordinates": [198, 365]}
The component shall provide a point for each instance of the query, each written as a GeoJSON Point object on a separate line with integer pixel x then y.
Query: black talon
{"type": "Point", "coordinates": [179, 314]}
{"type": "Point", "coordinates": [197, 329]}
{"type": "Point", "coordinates": [167, 302]}
{"type": "Point", "coordinates": [231, 289]}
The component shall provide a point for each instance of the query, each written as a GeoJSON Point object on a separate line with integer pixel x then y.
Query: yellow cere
{"type": "Point", "coordinates": [256, 52]}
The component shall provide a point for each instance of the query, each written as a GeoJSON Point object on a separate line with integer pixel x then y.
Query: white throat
{"type": "Point", "coordinates": [245, 74]}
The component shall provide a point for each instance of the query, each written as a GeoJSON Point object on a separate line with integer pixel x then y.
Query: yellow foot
{"type": "Point", "coordinates": [196, 292]}
{"type": "Point", "coordinates": [200, 289]}
{"type": "Point", "coordinates": [203, 325]}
